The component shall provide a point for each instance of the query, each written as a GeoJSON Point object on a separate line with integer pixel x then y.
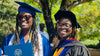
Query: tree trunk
{"type": "Point", "coordinates": [64, 4]}
{"type": "Point", "coordinates": [68, 4]}
{"type": "Point", "coordinates": [48, 20]}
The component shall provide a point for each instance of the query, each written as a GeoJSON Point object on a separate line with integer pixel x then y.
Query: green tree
{"type": "Point", "coordinates": [88, 15]}
{"type": "Point", "coordinates": [47, 5]}
{"type": "Point", "coordinates": [7, 17]}
{"type": "Point", "coordinates": [84, 15]}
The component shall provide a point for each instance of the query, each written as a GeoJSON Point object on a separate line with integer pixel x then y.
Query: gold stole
{"type": "Point", "coordinates": [57, 52]}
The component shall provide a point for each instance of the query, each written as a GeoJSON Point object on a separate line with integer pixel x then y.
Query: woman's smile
{"type": "Point", "coordinates": [23, 22]}
{"type": "Point", "coordinates": [64, 28]}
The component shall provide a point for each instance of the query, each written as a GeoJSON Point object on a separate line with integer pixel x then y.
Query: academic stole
{"type": "Point", "coordinates": [58, 51]}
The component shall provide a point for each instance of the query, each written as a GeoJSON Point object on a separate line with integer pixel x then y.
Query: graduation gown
{"type": "Point", "coordinates": [71, 48]}
{"type": "Point", "coordinates": [45, 42]}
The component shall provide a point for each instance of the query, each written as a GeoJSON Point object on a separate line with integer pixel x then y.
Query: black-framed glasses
{"type": "Point", "coordinates": [26, 17]}
{"type": "Point", "coordinates": [66, 25]}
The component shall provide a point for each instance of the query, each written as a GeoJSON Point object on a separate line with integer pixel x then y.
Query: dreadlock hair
{"type": "Point", "coordinates": [34, 38]}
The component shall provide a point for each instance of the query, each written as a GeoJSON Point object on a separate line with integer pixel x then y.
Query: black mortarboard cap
{"type": "Point", "coordinates": [67, 14]}
{"type": "Point", "coordinates": [27, 8]}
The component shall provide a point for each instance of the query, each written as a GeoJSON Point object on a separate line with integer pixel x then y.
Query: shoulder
{"type": "Point", "coordinates": [78, 49]}
{"type": "Point", "coordinates": [75, 44]}
{"type": "Point", "coordinates": [8, 36]}
{"type": "Point", "coordinates": [7, 39]}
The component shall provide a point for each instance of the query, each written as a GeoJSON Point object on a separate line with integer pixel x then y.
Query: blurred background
{"type": "Point", "coordinates": [86, 11]}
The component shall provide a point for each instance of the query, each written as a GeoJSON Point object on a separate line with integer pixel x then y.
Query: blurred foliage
{"type": "Point", "coordinates": [88, 16]}
{"type": "Point", "coordinates": [90, 42]}
{"type": "Point", "coordinates": [8, 11]}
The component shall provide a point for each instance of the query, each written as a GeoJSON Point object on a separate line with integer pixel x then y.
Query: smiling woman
{"type": "Point", "coordinates": [66, 27]}
{"type": "Point", "coordinates": [25, 19]}
{"type": "Point", "coordinates": [63, 27]}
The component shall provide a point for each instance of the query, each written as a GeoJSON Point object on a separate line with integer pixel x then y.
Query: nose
{"type": "Point", "coordinates": [23, 19]}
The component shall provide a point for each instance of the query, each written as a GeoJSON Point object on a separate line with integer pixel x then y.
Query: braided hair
{"type": "Point", "coordinates": [34, 38]}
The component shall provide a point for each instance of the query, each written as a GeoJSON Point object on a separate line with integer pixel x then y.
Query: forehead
{"type": "Point", "coordinates": [24, 13]}
{"type": "Point", "coordinates": [64, 20]}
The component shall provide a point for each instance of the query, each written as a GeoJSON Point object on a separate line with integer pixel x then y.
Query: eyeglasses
{"type": "Point", "coordinates": [66, 25]}
{"type": "Point", "coordinates": [26, 17]}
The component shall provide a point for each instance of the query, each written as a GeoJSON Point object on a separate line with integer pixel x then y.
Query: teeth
{"type": "Point", "coordinates": [63, 32]}
{"type": "Point", "coordinates": [24, 23]}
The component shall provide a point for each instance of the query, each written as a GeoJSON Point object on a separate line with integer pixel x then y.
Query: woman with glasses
{"type": "Point", "coordinates": [66, 31]}
{"type": "Point", "coordinates": [27, 33]}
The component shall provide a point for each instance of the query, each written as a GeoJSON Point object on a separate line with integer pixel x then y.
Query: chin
{"type": "Point", "coordinates": [25, 28]}
{"type": "Point", "coordinates": [63, 37]}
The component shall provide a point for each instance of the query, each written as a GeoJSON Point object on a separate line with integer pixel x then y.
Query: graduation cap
{"type": "Point", "coordinates": [24, 7]}
{"type": "Point", "coordinates": [27, 8]}
{"type": "Point", "coordinates": [69, 15]}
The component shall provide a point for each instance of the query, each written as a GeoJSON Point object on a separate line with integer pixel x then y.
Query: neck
{"type": "Point", "coordinates": [25, 31]}
{"type": "Point", "coordinates": [64, 38]}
